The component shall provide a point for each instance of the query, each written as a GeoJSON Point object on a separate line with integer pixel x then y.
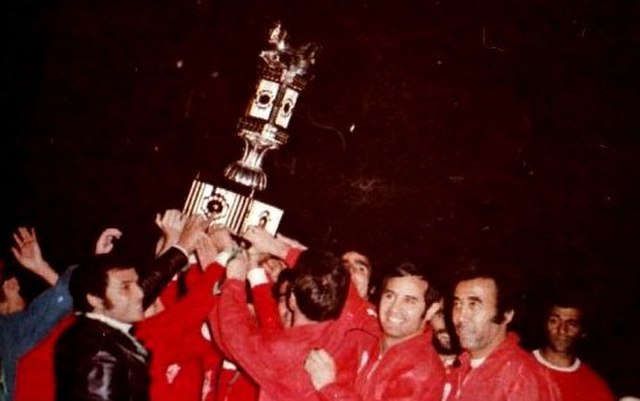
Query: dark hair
{"type": "Point", "coordinates": [285, 276]}
{"type": "Point", "coordinates": [504, 277]}
{"type": "Point", "coordinates": [565, 295]}
{"type": "Point", "coordinates": [91, 277]}
{"type": "Point", "coordinates": [406, 269]}
{"type": "Point", "coordinates": [320, 284]}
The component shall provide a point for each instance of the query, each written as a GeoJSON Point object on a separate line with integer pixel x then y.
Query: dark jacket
{"type": "Point", "coordinates": [95, 361]}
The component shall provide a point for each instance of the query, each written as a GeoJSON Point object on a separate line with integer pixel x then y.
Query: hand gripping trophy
{"type": "Point", "coordinates": [283, 74]}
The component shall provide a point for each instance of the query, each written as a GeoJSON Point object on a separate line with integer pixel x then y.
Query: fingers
{"type": "Point", "coordinates": [111, 234]}
{"type": "Point", "coordinates": [24, 236]}
{"type": "Point", "coordinates": [290, 241]}
{"type": "Point", "coordinates": [171, 219]}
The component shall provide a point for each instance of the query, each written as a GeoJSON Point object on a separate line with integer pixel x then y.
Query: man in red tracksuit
{"type": "Point", "coordinates": [275, 358]}
{"type": "Point", "coordinates": [492, 366]}
{"type": "Point", "coordinates": [404, 364]}
{"type": "Point", "coordinates": [564, 329]}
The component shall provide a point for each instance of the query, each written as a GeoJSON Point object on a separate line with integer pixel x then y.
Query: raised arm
{"type": "Point", "coordinates": [171, 224]}
{"type": "Point", "coordinates": [156, 276]}
{"type": "Point", "coordinates": [27, 252]}
{"type": "Point", "coordinates": [106, 241]}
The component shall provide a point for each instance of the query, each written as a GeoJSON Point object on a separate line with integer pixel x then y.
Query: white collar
{"type": "Point", "coordinates": [475, 362]}
{"type": "Point", "coordinates": [538, 355]}
{"type": "Point", "coordinates": [116, 324]}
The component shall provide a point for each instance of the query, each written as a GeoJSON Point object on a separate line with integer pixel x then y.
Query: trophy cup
{"type": "Point", "coordinates": [283, 74]}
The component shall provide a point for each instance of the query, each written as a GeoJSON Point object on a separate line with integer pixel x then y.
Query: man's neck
{"type": "Point", "coordinates": [388, 342]}
{"type": "Point", "coordinates": [299, 319]}
{"type": "Point", "coordinates": [486, 351]}
{"type": "Point", "coordinates": [124, 327]}
{"type": "Point", "coordinates": [556, 358]}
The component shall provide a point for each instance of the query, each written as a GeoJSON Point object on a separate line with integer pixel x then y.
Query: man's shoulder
{"type": "Point", "coordinates": [85, 334]}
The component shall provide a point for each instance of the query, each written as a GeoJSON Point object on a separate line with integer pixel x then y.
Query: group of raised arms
{"type": "Point", "coordinates": [221, 316]}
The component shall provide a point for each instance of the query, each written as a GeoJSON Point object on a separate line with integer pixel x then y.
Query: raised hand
{"type": "Point", "coordinates": [194, 228]}
{"type": "Point", "coordinates": [171, 223]}
{"type": "Point", "coordinates": [291, 242]}
{"type": "Point", "coordinates": [105, 242]}
{"type": "Point", "coordinates": [27, 252]}
{"type": "Point", "coordinates": [208, 247]}
{"type": "Point", "coordinates": [265, 244]}
{"type": "Point", "coordinates": [238, 265]}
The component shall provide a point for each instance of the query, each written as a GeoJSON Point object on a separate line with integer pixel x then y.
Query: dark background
{"type": "Point", "coordinates": [504, 128]}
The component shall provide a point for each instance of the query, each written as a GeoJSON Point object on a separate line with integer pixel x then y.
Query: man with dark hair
{"type": "Point", "coordinates": [97, 358]}
{"type": "Point", "coordinates": [493, 366]}
{"type": "Point", "coordinates": [564, 329]}
{"type": "Point", "coordinates": [444, 341]}
{"type": "Point", "coordinates": [360, 270]}
{"type": "Point", "coordinates": [274, 358]}
{"type": "Point", "coordinates": [403, 365]}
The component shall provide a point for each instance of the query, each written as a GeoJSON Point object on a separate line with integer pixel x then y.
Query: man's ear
{"type": "Point", "coordinates": [508, 316]}
{"type": "Point", "coordinates": [95, 302]}
{"type": "Point", "coordinates": [292, 302]}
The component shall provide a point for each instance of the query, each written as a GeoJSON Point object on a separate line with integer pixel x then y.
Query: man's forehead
{"type": "Point", "coordinates": [565, 312]}
{"type": "Point", "coordinates": [356, 258]}
{"type": "Point", "coordinates": [122, 274]}
{"type": "Point", "coordinates": [481, 287]}
{"type": "Point", "coordinates": [406, 285]}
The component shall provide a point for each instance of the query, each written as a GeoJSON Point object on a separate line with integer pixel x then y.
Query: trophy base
{"type": "Point", "coordinates": [247, 176]}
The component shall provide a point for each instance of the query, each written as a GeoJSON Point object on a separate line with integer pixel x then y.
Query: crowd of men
{"type": "Point", "coordinates": [217, 316]}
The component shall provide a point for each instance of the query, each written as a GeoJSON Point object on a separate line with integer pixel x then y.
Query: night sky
{"type": "Point", "coordinates": [432, 130]}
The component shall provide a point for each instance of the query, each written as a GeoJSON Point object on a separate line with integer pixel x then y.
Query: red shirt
{"type": "Point", "coordinates": [578, 382]}
{"type": "Point", "coordinates": [507, 374]}
{"type": "Point", "coordinates": [35, 380]}
{"type": "Point", "coordinates": [181, 354]}
{"type": "Point", "coordinates": [275, 358]}
{"type": "Point", "coordinates": [408, 371]}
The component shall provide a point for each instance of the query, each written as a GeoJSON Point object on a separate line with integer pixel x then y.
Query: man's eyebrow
{"type": "Point", "coordinates": [412, 297]}
{"type": "Point", "coordinates": [475, 298]}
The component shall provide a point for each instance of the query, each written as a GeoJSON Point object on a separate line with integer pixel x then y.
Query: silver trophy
{"type": "Point", "coordinates": [282, 76]}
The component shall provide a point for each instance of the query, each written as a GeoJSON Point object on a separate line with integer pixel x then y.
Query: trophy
{"type": "Point", "coordinates": [283, 74]}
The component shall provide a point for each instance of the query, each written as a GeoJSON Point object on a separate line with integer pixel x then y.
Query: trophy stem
{"type": "Point", "coordinates": [247, 171]}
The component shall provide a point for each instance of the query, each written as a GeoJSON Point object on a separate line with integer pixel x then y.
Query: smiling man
{"type": "Point", "coordinates": [404, 365]}
{"type": "Point", "coordinates": [97, 358]}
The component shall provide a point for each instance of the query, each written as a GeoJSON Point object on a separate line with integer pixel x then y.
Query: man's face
{"type": "Point", "coordinates": [10, 289]}
{"type": "Point", "coordinates": [123, 297]}
{"type": "Point", "coordinates": [564, 329]}
{"type": "Point", "coordinates": [441, 337]}
{"type": "Point", "coordinates": [402, 310]}
{"type": "Point", "coordinates": [359, 268]}
{"type": "Point", "coordinates": [474, 311]}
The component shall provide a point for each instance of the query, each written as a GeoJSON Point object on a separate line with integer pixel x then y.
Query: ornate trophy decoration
{"type": "Point", "coordinates": [282, 76]}
{"type": "Point", "coordinates": [237, 212]}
